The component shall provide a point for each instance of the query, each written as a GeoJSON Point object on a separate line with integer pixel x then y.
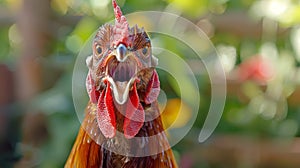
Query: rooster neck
{"type": "Point", "coordinates": [152, 126]}
{"type": "Point", "coordinates": [92, 149]}
{"type": "Point", "coordinates": [156, 152]}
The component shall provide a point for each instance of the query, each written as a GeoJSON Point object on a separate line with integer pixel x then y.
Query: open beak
{"type": "Point", "coordinates": [121, 73]}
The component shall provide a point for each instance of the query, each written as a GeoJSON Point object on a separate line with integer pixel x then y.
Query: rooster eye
{"type": "Point", "coordinates": [98, 49]}
{"type": "Point", "coordinates": [145, 50]}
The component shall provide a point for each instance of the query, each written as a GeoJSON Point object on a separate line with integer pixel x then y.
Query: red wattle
{"type": "Point", "coordinates": [105, 113]}
{"type": "Point", "coordinates": [134, 116]}
{"type": "Point", "coordinates": [153, 89]}
{"type": "Point", "coordinates": [91, 89]}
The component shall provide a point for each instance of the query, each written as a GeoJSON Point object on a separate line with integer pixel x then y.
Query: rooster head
{"type": "Point", "coordinates": [121, 73]}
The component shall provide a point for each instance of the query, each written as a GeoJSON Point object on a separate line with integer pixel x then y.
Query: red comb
{"type": "Point", "coordinates": [121, 26]}
{"type": "Point", "coordinates": [117, 10]}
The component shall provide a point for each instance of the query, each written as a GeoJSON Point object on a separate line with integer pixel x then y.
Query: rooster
{"type": "Point", "coordinates": [122, 125]}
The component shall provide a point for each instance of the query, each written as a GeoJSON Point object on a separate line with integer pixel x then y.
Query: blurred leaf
{"type": "Point", "coordinates": [288, 128]}
{"type": "Point", "coordinates": [61, 6]}
{"type": "Point", "coordinates": [4, 45]}
{"type": "Point", "coordinates": [291, 17]}
{"type": "Point", "coordinates": [175, 114]}
{"type": "Point", "coordinates": [251, 89]}
{"type": "Point", "coordinates": [194, 8]}
{"type": "Point", "coordinates": [14, 5]}
{"type": "Point", "coordinates": [86, 27]}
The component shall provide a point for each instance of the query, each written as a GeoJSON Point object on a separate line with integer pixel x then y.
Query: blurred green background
{"type": "Point", "coordinates": [259, 46]}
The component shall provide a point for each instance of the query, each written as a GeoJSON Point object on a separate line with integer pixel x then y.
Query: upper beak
{"type": "Point", "coordinates": [121, 53]}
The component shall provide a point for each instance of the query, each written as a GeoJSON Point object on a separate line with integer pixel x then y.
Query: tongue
{"type": "Point", "coordinates": [134, 116]}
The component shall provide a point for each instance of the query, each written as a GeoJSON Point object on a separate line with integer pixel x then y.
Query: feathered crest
{"type": "Point", "coordinates": [121, 26]}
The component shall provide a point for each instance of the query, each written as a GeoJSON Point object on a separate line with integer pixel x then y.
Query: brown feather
{"type": "Point", "coordinates": [87, 153]}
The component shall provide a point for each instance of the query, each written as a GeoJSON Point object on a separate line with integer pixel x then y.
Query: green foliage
{"type": "Point", "coordinates": [256, 110]}
{"type": "Point", "coordinates": [4, 45]}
